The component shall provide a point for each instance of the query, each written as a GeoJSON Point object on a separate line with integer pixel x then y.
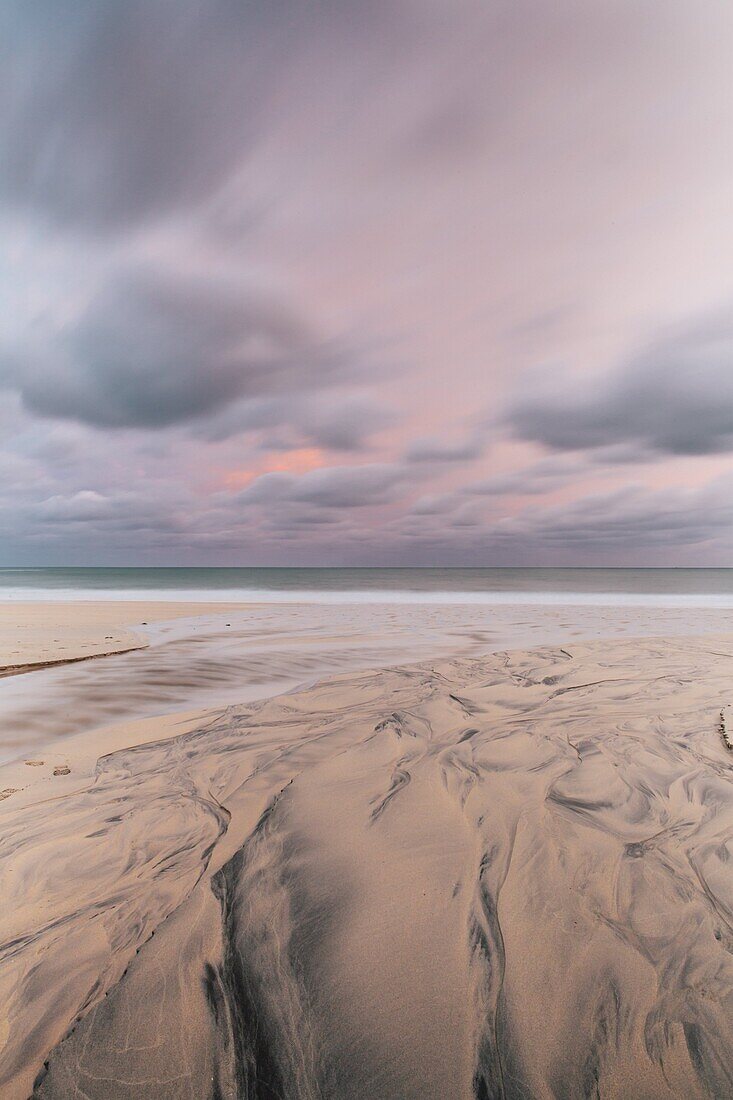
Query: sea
{"type": "Point", "coordinates": [594, 586]}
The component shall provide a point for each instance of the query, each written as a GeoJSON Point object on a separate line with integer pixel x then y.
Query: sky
{"type": "Point", "coordinates": [366, 282]}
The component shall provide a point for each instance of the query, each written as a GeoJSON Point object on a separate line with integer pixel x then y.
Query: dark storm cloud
{"type": "Point", "coordinates": [154, 351]}
{"type": "Point", "coordinates": [675, 398]}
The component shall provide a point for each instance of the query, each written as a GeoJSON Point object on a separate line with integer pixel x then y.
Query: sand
{"type": "Point", "coordinates": [37, 634]}
{"type": "Point", "coordinates": [223, 654]}
{"type": "Point", "coordinates": [499, 876]}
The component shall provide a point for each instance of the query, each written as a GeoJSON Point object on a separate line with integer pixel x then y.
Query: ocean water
{"type": "Point", "coordinates": [620, 587]}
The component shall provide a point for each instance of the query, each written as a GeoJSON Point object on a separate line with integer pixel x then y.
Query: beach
{"type": "Point", "coordinates": [366, 551]}
{"type": "Point", "coordinates": [497, 874]}
{"type": "Point", "coordinates": [166, 650]}
{"type": "Point", "coordinates": [43, 633]}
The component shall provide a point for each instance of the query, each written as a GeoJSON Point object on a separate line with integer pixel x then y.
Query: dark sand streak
{"type": "Point", "coordinates": [20, 670]}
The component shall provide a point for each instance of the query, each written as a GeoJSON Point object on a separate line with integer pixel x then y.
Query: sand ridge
{"type": "Point", "coordinates": [502, 876]}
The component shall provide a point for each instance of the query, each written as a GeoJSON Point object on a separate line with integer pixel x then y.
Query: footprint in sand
{"type": "Point", "coordinates": [35, 763]}
{"type": "Point", "coordinates": [7, 792]}
{"type": "Point", "coordinates": [62, 770]}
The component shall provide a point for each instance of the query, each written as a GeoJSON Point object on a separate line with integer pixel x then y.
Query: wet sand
{"type": "Point", "coordinates": [46, 633]}
{"type": "Point", "coordinates": [493, 876]}
{"type": "Point", "coordinates": [194, 656]}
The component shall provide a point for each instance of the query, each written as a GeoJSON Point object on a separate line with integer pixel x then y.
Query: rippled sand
{"type": "Point", "coordinates": [505, 876]}
{"type": "Point", "coordinates": [195, 656]}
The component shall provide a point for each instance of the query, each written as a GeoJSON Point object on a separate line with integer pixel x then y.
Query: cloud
{"type": "Point", "coordinates": [242, 228]}
{"type": "Point", "coordinates": [675, 398]}
{"type": "Point", "coordinates": [337, 421]}
{"type": "Point", "coordinates": [535, 480]}
{"type": "Point", "coordinates": [330, 487]}
{"type": "Point", "coordinates": [630, 519]}
{"type": "Point", "coordinates": [630, 526]}
{"type": "Point", "coordinates": [435, 504]}
{"type": "Point", "coordinates": [152, 350]}
{"type": "Point", "coordinates": [120, 511]}
{"type": "Point", "coordinates": [436, 450]}
{"type": "Point", "coordinates": [122, 112]}
{"type": "Point", "coordinates": [345, 423]}
{"type": "Point", "coordinates": [80, 507]}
